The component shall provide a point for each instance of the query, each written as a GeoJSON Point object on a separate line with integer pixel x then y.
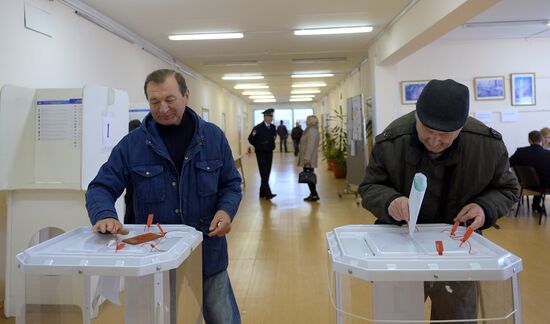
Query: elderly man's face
{"type": "Point", "coordinates": [166, 101]}
{"type": "Point", "coordinates": [435, 141]}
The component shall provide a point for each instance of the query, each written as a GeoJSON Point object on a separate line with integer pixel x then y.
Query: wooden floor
{"type": "Point", "coordinates": [278, 255]}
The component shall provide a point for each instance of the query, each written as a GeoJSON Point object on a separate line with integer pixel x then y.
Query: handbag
{"type": "Point", "coordinates": [307, 176]}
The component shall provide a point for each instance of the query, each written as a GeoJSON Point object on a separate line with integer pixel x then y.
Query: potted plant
{"type": "Point", "coordinates": [340, 138]}
{"type": "Point", "coordinates": [327, 145]}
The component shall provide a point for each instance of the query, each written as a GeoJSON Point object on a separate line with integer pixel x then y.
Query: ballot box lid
{"type": "Point", "coordinates": [80, 251]}
{"type": "Point", "coordinates": [389, 253]}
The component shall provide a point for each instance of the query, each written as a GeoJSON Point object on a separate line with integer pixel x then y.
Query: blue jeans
{"type": "Point", "coordinates": [219, 304]}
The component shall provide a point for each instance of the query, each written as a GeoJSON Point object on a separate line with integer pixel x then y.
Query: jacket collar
{"type": "Point", "coordinates": [153, 138]}
{"type": "Point", "coordinates": [417, 150]}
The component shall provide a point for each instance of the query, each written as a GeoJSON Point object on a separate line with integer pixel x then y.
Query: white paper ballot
{"type": "Point", "coordinates": [109, 287]}
{"type": "Point", "coordinates": [418, 188]}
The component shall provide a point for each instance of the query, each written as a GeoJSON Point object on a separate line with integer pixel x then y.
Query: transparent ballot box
{"type": "Point", "coordinates": [86, 277]}
{"type": "Point", "coordinates": [381, 274]}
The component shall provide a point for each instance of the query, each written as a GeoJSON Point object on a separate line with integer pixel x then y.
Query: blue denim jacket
{"type": "Point", "coordinates": [208, 182]}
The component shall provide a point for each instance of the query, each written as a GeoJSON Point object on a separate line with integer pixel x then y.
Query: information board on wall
{"type": "Point", "coordinates": [59, 120]}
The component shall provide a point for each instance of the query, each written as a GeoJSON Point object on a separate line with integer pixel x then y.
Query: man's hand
{"type": "Point", "coordinates": [110, 225]}
{"type": "Point", "coordinates": [221, 224]}
{"type": "Point", "coordinates": [399, 209]}
{"type": "Point", "coordinates": [472, 211]}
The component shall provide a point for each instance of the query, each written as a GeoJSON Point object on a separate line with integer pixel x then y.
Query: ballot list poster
{"type": "Point", "coordinates": [59, 120]}
{"type": "Point", "coordinates": [58, 142]}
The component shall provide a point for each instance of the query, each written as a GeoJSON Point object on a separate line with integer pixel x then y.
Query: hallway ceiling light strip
{"type": "Point", "coordinates": [309, 85]}
{"type": "Point", "coordinates": [256, 93]}
{"type": "Point", "coordinates": [305, 91]}
{"type": "Point", "coordinates": [333, 31]}
{"type": "Point", "coordinates": [302, 96]}
{"type": "Point", "coordinates": [300, 99]}
{"type": "Point", "coordinates": [265, 100]}
{"type": "Point", "coordinates": [251, 86]}
{"type": "Point", "coordinates": [205, 36]}
{"type": "Point", "coordinates": [242, 77]}
{"type": "Point", "coordinates": [312, 75]}
{"type": "Point", "coordinates": [261, 97]}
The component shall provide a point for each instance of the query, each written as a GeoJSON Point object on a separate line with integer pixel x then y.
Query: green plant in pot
{"type": "Point", "coordinates": [328, 147]}
{"type": "Point", "coordinates": [340, 137]}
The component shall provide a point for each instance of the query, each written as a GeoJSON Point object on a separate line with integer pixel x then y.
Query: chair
{"type": "Point", "coordinates": [530, 185]}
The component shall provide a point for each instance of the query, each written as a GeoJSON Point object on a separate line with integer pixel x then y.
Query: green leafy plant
{"type": "Point", "coordinates": [339, 135]}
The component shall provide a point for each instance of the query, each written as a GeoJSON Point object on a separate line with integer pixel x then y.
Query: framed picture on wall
{"type": "Point", "coordinates": [523, 89]}
{"type": "Point", "coordinates": [489, 88]}
{"type": "Point", "coordinates": [410, 91]}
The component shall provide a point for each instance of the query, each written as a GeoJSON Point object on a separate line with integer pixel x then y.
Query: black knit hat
{"type": "Point", "coordinates": [443, 105]}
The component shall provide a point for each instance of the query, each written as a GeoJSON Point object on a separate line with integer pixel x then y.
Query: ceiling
{"type": "Point", "coordinates": [269, 46]}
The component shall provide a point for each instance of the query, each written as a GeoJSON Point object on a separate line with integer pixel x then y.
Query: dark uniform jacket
{"type": "Point", "coordinates": [474, 169]}
{"type": "Point", "coordinates": [535, 156]}
{"type": "Point", "coordinates": [263, 137]}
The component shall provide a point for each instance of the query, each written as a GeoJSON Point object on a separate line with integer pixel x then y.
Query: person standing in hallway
{"type": "Point", "coordinates": [296, 134]}
{"type": "Point", "coordinates": [469, 179]}
{"type": "Point", "coordinates": [183, 172]}
{"type": "Point", "coordinates": [537, 157]}
{"type": "Point", "coordinates": [309, 144]}
{"type": "Point", "coordinates": [283, 134]}
{"type": "Point", "coordinates": [262, 138]}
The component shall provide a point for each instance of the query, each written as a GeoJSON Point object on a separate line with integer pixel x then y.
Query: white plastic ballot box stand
{"type": "Point", "coordinates": [398, 264]}
{"type": "Point", "coordinates": [148, 295]}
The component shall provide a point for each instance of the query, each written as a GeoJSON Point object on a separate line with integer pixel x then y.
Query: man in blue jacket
{"type": "Point", "coordinates": [183, 172]}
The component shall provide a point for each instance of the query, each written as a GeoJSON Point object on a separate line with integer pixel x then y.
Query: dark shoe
{"type": "Point", "coordinates": [269, 197]}
{"type": "Point", "coordinates": [537, 208]}
{"type": "Point", "coordinates": [311, 198]}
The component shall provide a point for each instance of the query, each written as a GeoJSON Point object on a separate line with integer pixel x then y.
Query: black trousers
{"type": "Point", "coordinates": [452, 300]}
{"type": "Point", "coordinates": [265, 159]}
{"type": "Point", "coordinates": [283, 142]}
{"type": "Point", "coordinates": [296, 146]}
{"type": "Point", "coordinates": [312, 189]}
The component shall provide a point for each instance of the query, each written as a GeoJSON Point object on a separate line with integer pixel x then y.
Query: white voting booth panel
{"type": "Point", "coordinates": [155, 279]}
{"type": "Point", "coordinates": [380, 274]}
{"type": "Point", "coordinates": [53, 143]}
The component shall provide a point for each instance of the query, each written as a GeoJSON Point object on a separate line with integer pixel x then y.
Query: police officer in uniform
{"type": "Point", "coordinates": [262, 138]}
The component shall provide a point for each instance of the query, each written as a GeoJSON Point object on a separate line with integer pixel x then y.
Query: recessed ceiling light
{"type": "Point", "coordinates": [205, 36]}
{"type": "Point", "coordinates": [265, 100]}
{"type": "Point", "coordinates": [302, 96]}
{"type": "Point", "coordinates": [312, 75]}
{"type": "Point", "coordinates": [309, 85]}
{"type": "Point", "coordinates": [262, 97]}
{"type": "Point", "coordinates": [256, 93]}
{"type": "Point", "coordinates": [318, 60]}
{"type": "Point", "coordinates": [242, 77]}
{"type": "Point", "coordinates": [332, 31]}
{"type": "Point", "coordinates": [251, 86]}
{"type": "Point", "coordinates": [232, 63]}
{"type": "Point", "coordinates": [305, 91]}
{"type": "Point", "coordinates": [301, 99]}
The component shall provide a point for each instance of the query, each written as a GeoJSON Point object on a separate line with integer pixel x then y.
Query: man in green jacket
{"type": "Point", "coordinates": [466, 165]}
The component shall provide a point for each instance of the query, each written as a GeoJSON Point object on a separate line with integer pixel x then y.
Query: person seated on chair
{"type": "Point", "coordinates": [537, 157]}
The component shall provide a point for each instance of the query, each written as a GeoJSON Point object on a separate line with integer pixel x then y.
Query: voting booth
{"type": "Point", "coordinates": [158, 286]}
{"type": "Point", "coordinates": [383, 274]}
{"type": "Point", "coordinates": [53, 143]}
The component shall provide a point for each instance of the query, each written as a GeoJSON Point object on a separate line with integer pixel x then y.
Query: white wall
{"type": "Point", "coordinates": [464, 60]}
